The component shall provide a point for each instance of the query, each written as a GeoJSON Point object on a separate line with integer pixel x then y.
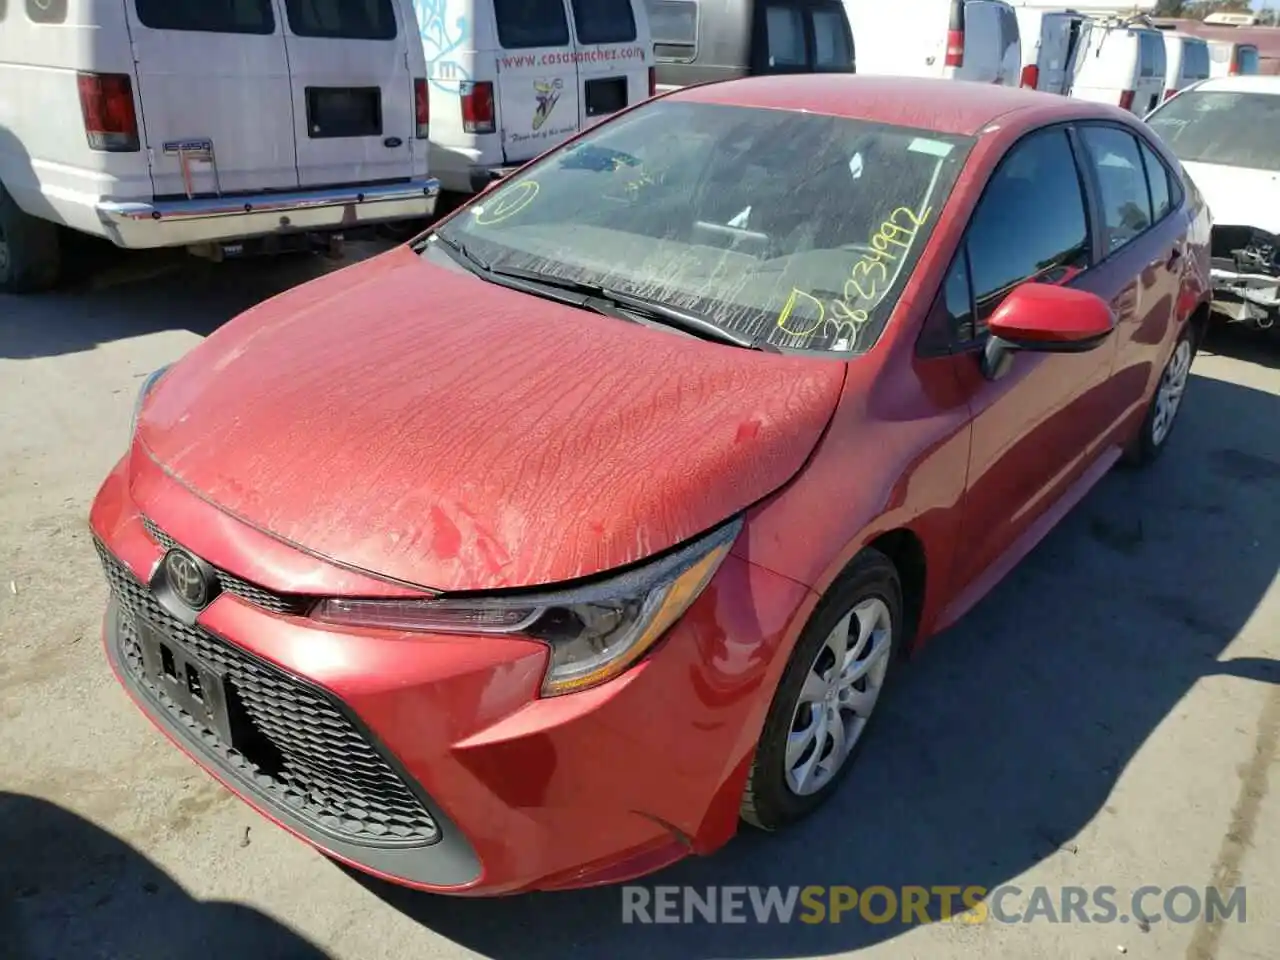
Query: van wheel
{"type": "Point", "coordinates": [820, 714]}
{"type": "Point", "coordinates": [30, 257]}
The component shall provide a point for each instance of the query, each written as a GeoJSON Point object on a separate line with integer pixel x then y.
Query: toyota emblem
{"type": "Point", "coordinates": [186, 579]}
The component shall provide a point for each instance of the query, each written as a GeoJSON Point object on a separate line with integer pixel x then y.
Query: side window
{"type": "Point", "coordinates": [342, 19]}
{"type": "Point", "coordinates": [1158, 181]}
{"type": "Point", "coordinates": [604, 21]}
{"type": "Point", "coordinates": [1195, 60]}
{"type": "Point", "coordinates": [1029, 225]}
{"type": "Point", "coordinates": [207, 16]}
{"type": "Point", "coordinates": [1247, 58]}
{"type": "Point", "coordinates": [523, 24]}
{"type": "Point", "coordinates": [830, 35]}
{"type": "Point", "coordinates": [1151, 55]}
{"type": "Point", "coordinates": [44, 11]}
{"type": "Point", "coordinates": [784, 34]}
{"type": "Point", "coordinates": [1123, 182]}
{"type": "Point", "coordinates": [674, 26]}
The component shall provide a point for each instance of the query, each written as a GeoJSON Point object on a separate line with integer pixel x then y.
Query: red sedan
{"type": "Point", "coordinates": [541, 551]}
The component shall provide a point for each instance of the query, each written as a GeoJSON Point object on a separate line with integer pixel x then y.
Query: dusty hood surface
{"type": "Point", "coordinates": [428, 426]}
{"type": "Point", "coordinates": [1238, 196]}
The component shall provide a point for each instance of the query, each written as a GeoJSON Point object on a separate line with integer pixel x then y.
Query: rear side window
{"type": "Point", "coordinates": [1158, 182]}
{"type": "Point", "coordinates": [1029, 225]}
{"type": "Point", "coordinates": [784, 34]}
{"type": "Point", "coordinates": [1195, 61]}
{"type": "Point", "coordinates": [604, 21]}
{"type": "Point", "coordinates": [523, 24]}
{"type": "Point", "coordinates": [831, 40]}
{"type": "Point", "coordinates": [1151, 56]}
{"type": "Point", "coordinates": [342, 19]}
{"type": "Point", "coordinates": [1122, 181]}
{"type": "Point", "coordinates": [1247, 60]}
{"type": "Point", "coordinates": [208, 16]}
{"type": "Point", "coordinates": [674, 27]}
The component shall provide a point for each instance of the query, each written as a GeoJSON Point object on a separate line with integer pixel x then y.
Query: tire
{"type": "Point", "coordinates": [1158, 424]}
{"type": "Point", "coordinates": [869, 590]}
{"type": "Point", "coordinates": [30, 258]}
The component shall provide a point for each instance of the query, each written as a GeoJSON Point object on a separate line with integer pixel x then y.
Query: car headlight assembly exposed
{"type": "Point", "coordinates": [147, 386]}
{"type": "Point", "coordinates": [595, 632]}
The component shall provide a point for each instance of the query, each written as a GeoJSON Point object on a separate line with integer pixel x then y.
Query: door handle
{"type": "Point", "coordinates": [1175, 257]}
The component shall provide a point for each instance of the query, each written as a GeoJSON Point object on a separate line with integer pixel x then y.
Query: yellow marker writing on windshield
{"type": "Point", "coordinates": [797, 297]}
{"type": "Point", "coordinates": [509, 202]}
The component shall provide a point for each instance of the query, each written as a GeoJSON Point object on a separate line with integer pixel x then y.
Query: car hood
{"type": "Point", "coordinates": [1238, 196]}
{"type": "Point", "coordinates": [421, 424]}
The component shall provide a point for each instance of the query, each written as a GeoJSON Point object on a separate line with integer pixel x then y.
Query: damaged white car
{"type": "Point", "coordinates": [1226, 132]}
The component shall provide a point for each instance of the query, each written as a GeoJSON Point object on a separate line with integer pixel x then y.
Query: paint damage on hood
{"type": "Point", "coordinates": [429, 427]}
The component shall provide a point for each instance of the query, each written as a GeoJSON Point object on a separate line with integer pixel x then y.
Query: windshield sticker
{"type": "Point", "coordinates": [868, 281]}
{"type": "Point", "coordinates": [934, 148]}
{"type": "Point", "coordinates": [504, 207]}
{"type": "Point", "coordinates": [855, 166]}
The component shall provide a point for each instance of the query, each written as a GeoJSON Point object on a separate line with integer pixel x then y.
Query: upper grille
{"type": "Point", "coordinates": [294, 746]}
{"type": "Point", "coordinates": [230, 583]}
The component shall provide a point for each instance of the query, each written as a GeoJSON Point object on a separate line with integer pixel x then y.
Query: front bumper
{"type": "Point", "coordinates": [490, 789]}
{"type": "Point", "coordinates": [140, 225]}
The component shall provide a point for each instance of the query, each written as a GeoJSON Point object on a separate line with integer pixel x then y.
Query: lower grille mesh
{"type": "Point", "coordinates": [300, 752]}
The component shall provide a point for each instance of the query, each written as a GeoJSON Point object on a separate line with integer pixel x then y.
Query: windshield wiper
{"type": "Point", "coordinates": [686, 320]}
{"type": "Point", "coordinates": [460, 248]}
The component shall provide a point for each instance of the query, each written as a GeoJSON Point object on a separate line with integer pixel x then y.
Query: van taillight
{"type": "Point", "coordinates": [477, 107]}
{"type": "Point", "coordinates": [1169, 93]}
{"type": "Point", "coordinates": [110, 121]}
{"type": "Point", "coordinates": [1126, 100]}
{"type": "Point", "coordinates": [653, 81]}
{"type": "Point", "coordinates": [1031, 76]}
{"type": "Point", "coordinates": [955, 35]}
{"type": "Point", "coordinates": [421, 108]}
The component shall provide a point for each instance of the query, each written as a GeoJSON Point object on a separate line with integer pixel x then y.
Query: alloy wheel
{"type": "Point", "coordinates": [839, 693]}
{"type": "Point", "coordinates": [1173, 382]}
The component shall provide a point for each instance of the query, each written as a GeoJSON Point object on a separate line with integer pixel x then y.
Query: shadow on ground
{"type": "Point", "coordinates": [121, 294]}
{"type": "Point", "coordinates": [1005, 738]}
{"type": "Point", "coordinates": [70, 889]}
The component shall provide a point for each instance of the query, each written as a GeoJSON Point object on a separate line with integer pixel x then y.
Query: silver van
{"type": "Point", "coordinates": [696, 41]}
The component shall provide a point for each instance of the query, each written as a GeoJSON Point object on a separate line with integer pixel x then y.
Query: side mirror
{"type": "Point", "coordinates": [1045, 318]}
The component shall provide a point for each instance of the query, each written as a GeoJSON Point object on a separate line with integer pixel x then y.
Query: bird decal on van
{"type": "Point", "coordinates": [547, 93]}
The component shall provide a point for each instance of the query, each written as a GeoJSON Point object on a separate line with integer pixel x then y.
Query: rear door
{"type": "Point", "coordinates": [1151, 72]}
{"type": "Point", "coordinates": [352, 90]}
{"type": "Point", "coordinates": [613, 66]}
{"type": "Point", "coordinates": [538, 100]}
{"type": "Point", "coordinates": [1055, 51]}
{"type": "Point", "coordinates": [213, 82]}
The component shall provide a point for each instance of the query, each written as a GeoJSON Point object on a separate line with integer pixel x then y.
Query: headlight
{"type": "Point", "coordinates": [595, 632]}
{"type": "Point", "coordinates": [152, 379]}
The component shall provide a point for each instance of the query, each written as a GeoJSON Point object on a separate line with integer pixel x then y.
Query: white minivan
{"type": "Point", "coordinates": [1121, 63]}
{"type": "Point", "coordinates": [957, 39]}
{"type": "Point", "coordinates": [223, 127]}
{"type": "Point", "coordinates": [1186, 62]}
{"type": "Point", "coordinates": [510, 79]}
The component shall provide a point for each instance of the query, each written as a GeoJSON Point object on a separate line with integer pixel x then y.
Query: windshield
{"type": "Point", "coordinates": [1224, 127]}
{"type": "Point", "coordinates": [795, 230]}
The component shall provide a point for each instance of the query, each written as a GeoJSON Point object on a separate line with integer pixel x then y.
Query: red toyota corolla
{"type": "Point", "coordinates": [539, 552]}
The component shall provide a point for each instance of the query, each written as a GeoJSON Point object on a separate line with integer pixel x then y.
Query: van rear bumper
{"type": "Point", "coordinates": [176, 223]}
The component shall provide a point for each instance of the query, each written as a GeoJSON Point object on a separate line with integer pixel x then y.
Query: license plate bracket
{"type": "Point", "coordinates": [187, 680]}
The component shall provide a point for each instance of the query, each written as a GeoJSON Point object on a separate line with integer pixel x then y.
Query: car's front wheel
{"type": "Point", "coordinates": [821, 711]}
{"type": "Point", "coordinates": [1165, 404]}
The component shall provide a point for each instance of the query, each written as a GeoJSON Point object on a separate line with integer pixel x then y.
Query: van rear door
{"type": "Point", "coordinates": [537, 77]}
{"type": "Point", "coordinates": [352, 90]}
{"type": "Point", "coordinates": [992, 51]}
{"type": "Point", "coordinates": [1054, 61]}
{"type": "Point", "coordinates": [213, 82]}
{"type": "Point", "coordinates": [612, 58]}
{"type": "Point", "coordinates": [1152, 64]}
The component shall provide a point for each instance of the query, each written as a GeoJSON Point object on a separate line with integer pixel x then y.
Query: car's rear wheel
{"type": "Point", "coordinates": [1162, 414]}
{"type": "Point", "coordinates": [29, 252]}
{"type": "Point", "coordinates": [824, 704]}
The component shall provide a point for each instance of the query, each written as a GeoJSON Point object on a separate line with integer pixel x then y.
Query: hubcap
{"type": "Point", "coordinates": [839, 693]}
{"type": "Point", "coordinates": [1169, 393]}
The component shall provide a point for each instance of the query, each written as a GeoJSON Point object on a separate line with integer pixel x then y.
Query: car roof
{"type": "Point", "coordinates": [1252, 83]}
{"type": "Point", "coordinates": [956, 107]}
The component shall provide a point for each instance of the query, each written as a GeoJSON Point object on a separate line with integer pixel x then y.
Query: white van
{"type": "Point", "coordinates": [510, 79]}
{"type": "Point", "coordinates": [1050, 43]}
{"type": "Point", "coordinates": [1120, 63]}
{"type": "Point", "coordinates": [957, 39]}
{"type": "Point", "coordinates": [221, 127]}
{"type": "Point", "coordinates": [1186, 62]}
{"type": "Point", "coordinates": [1230, 59]}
